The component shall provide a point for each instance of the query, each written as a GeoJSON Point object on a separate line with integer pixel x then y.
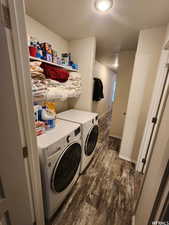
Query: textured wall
{"type": "Point", "coordinates": [158, 161]}
{"type": "Point", "coordinates": [143, 79]}
{"type": "Point", "coordinates": [83, 52]}
{"type": "Point", "coordinates": [124, 75]}
{"type": "Point", "coordinates": [42, 33]}
{"type": "Point", "coordinates": [107, 76]}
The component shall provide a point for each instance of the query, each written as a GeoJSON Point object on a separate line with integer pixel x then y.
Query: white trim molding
{"type": "Point", "coordinates": [127, 159]}
{"type": "Point", "coordinates": [133, 220]}
{"type": "Point", "coordinates": [23, 80]}
{"type": "Point", "coordinates": [115, 136]}
{"type": "Point", "coordinates": [156, 106]}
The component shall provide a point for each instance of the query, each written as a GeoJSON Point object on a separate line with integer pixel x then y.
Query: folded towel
{"type": "Point", "coordinates": [55, 73]}
{"type": "Point", "coordinates": [74, 76]}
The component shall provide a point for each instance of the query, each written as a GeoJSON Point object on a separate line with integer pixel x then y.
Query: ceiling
{"type": "Point", "coordinates": [116, 31]}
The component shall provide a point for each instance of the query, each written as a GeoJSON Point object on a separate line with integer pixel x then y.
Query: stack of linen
{"type": "Point", "coordinates": [36, 71]}
{"type": "Point", "coordinates": [74, 85]}
{"type": "Point", "coordinates": [69, 89]}
{"type": "Point", "coordinates": [39, 88]}
{"type": "Point", "coordinates": [50, 89]}
{"type": "Point", "coordinates": [39, 85]}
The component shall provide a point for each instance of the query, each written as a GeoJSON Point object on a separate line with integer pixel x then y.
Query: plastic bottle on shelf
{"type": "Point", "coordinates": [48, 117]}
{"type": "Point", "coordinates": [33, 47]}
{"type": "Point", "coordinates": [54, 56]}
{"type": "Point", "coordinates": [39, 53]}
{"type": "Point", "coordinates": [65, 59]}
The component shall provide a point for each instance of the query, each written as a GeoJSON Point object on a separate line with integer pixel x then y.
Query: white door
{"type": "Point", "coordinates": [155, 112]}
{"type": "Point", "coordinates": [16, 207]}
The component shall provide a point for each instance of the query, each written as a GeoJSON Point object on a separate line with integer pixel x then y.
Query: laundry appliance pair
{"type": "Point", "coordinates": [65, 152]}
{"type": "Point", "coordinates": [89, 132]}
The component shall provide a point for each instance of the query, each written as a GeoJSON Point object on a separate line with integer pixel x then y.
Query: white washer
{"type": "Point", "coordinates": [60, 157]}
{"type": "Point", "coordinates": [89, 129]}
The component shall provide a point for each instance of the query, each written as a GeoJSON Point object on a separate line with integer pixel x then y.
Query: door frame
{"type": "Point", "coordinates": [19, 35]}
{"type": "Point", "coordinates": [162, 196]}
{"type": "Point", "coordinates": [15, 200]}
{"type": "Point", "coordinates": [157, 105]}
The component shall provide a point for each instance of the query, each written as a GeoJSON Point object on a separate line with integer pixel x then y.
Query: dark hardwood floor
{"type": "Point", "coordinates": [104, 195]}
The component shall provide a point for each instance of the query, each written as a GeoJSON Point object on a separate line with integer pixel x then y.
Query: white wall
{"type": "Point", "coordinates": [43, 34]}
{"type": "Point", "coordinates": [143, 78]}
{"type": "Point", "coordinates": [125, 71]}
{"type": "Point", "coordinates": [107, 76]}
{"type": "Point", "coordinates": [83, 52]}
{"type": "Point", "coordinates": [157, 164]}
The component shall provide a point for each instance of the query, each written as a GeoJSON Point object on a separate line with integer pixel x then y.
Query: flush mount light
{"type": "Point", "coordinates": [103, 5]}
{"type": "Point", "coordinates": [116, 63]}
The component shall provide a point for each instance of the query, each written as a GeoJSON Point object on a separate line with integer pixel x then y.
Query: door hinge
{"type": "Point", "coordinates": [25, 152]}
{"type": "Point", "coordinates": [144, 161]}
{"type": "Point", "coordinates": [154, 120]}
{"type": "Point", "coordinates": [5, 16]}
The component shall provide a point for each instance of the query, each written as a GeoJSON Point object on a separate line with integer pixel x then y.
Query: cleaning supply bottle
{"type": "Point", "coordinates": [48, 117]}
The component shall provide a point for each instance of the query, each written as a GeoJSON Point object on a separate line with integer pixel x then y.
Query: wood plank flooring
{"type": "Point", "coordinates": [104, 195]}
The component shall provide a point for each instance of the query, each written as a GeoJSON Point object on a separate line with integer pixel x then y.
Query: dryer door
{"type": "Point", "coordinates": [66, 168]}
{"type": "Point", "coordinates": [91, 140]}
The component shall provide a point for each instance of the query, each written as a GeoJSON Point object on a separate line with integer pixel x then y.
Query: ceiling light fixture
{"type": "Point", "coordinates": [103, 5]}
{"type": "Point", "coordinates": [116, 63]}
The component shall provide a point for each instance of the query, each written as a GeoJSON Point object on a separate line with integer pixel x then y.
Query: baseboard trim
{"type": "Point", "coordinates": [115, 136]}
{"type": "Point", "coordinates": [127, 159]}
{"type": "Point", "coordinates": [133, 220]}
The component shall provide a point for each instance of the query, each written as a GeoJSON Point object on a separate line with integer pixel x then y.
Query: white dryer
{"type": "Point", "coordinates": [60, 157]}
{"type": "Point", "coordinates": [89, 130]}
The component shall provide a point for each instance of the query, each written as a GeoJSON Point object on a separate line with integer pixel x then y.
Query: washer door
{"type": "Point", "coordinates": [91, 140]}
{"type": "Point", "coordinates": [66, 168]}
